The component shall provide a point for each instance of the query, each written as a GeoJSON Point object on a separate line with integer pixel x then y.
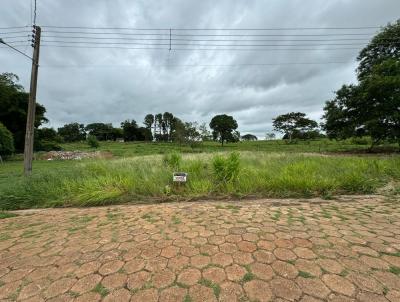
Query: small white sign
{"type": "Point", "coordinates": [179, 177]}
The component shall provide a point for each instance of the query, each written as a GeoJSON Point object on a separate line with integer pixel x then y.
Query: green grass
{"type": "Point", "coordinates": [395, 270]}
{"type": "Point", "coordinates": [248, 277]}
{"type": "Point", "coordinates": [4, 215]}
{"type": "Point", "coordinates": [129, 149]}
{"type": "Point", "coordinates": [100, 289]}
{"type": "Point", "coordinates": [305, 275]}
{"type": "Point", "coordinates": [214, 286]}
{"type": "Point", "coordinates": [144, 178]}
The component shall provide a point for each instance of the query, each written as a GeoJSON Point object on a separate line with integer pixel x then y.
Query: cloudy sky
{"type": "Point", "coordinates": [194, 81]}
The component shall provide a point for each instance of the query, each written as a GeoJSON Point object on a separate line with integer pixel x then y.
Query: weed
{"type": "Point", "coordinates": [305, 274]}
{"type": "Point", "coordinates": [214, 286]}
{"type": "Point", "coordinates": [100, 289]}
{"type": "Point", "coordinates": [395, 270]}
{"type": "Point", "coordinates": [187, 298]}
{"type": "Point", "coordinates": [226, 169]}
{"type": "Point", "coordinates": [248, 277]}
{"type": "Point", "coordinates": [176, 220]}
{"type": "Point", "coordinates": [173, 160]}
{"type": "Point", "coordinates": [4, 236]}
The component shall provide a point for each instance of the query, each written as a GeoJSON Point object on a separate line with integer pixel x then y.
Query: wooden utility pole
{"type": "Point", "coordinates": [30, 119]}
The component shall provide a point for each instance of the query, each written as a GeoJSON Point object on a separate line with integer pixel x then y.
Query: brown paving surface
{"type": "Point", "coordinates": [205, 251]}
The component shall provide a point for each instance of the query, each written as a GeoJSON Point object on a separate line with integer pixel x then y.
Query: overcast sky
{"type": "Point", "coordinates": [111, 85]}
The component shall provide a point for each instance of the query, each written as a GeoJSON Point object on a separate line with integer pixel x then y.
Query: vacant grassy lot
{"type": "Point", "coordinates": [140, 148]}
{"type": "Point", "coordinates": [149, 178]}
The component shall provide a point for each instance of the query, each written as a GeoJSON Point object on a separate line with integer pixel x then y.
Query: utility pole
{"type": "Point", "coordinates": [30, 120]}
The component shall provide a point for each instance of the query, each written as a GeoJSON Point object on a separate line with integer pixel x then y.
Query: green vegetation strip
{"type": "Point", "coordinates": [149, 178]}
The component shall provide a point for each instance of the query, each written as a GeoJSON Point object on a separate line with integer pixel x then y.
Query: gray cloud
{"type": "Point", "coordinates": [112, 85]}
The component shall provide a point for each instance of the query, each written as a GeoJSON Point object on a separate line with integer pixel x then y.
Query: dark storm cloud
{"type": "Point", "coordinates": [110, 85]}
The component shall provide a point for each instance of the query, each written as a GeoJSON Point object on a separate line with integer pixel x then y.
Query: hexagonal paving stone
{"type": "Point", "coordinates": [189, 276]}
{"type": "Point", "coordinates": [286, 289]}
{"type": "Point", "coordinates": [173, 294]}
{"type": "Point", "coordinates": [339, 284]}
{"type": "Point", "coordinates": [258, 290]}
{"type": "Point", "coordinates": [163, 278]}
{"type": "Point", "coordinates": [235, 272]}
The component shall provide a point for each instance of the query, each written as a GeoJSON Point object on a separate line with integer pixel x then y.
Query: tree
{"type": "Point", "coordinates": [14, 106]}
{"type": "Point", "coordinates": [269, 136]}
{"type": "Point", "coordinates": [223, 126]}
{"type": "Point", "coordinates": [6, 141]}
{"type": "Point", "coordinates": [47, 139]}
{"type": "Point", "coordinates": [205, 134]}
{"type": "Point", "coordinates": [249, 137]}
{"type": "Point", "coordinates": [148, 121]}
{"type": "Point", "coordinates": [101, 131]}
{"type": "Point", "coordinates": [72, 132]}
{"type": "Point", "coordinates": [384, 46]}
{"type": "Point", "coordinates": [293, 122]}
{"type": "Point", "coordinates": [371, 107]}
{"type": "Point", "coordinates": [130, 130]}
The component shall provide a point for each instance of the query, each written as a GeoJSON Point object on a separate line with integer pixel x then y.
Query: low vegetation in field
{"type": "Point", "coordinates": [149, 178]}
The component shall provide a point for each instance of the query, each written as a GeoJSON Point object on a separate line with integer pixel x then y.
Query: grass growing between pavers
{"type": "Point", "coordinates": [148, 178]}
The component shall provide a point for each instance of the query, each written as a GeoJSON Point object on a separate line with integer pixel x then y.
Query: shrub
{"type": "Point", "coordinates": [173, 160]}
{"type": "Point", "coordinates": [92, 141]}
{"type": "Point", "coordinates": [226, 169]}
{"type": "Point", "coordinates": [6, 141]}
{"type": "Point", "coordinates": [45, 145]}
{"type": "Point", "coordinates": [360, 141]}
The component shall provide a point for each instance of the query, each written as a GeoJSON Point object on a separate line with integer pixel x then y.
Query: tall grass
{"type": "Point", "coordinates": [146, 178]}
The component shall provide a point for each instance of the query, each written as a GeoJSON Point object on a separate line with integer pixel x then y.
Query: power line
{"type": "Point", "coordinates": [198, 65]}
{"type": "Point", "coordinates": [209, 40]}
{"type": "Point", "coordinates": [12, 47]}
{"type": "Point", "coordinates": [206, 45]}
{"type": "Point", "coordinates": [216, 29]}
{"type": "Point", "coordinates": [191, 49]}
{"type": "Point", "coordinates": [14, 32]}
{"type": "Point", "coordinates": [34, 14]}
{"type": "Point", "coordinates": [207, 35]}
{"type": "Point", "coordinates": [14, 27]}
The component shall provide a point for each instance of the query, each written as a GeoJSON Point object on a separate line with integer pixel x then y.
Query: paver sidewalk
{"type": "Point", "coordinates": [205, 251]}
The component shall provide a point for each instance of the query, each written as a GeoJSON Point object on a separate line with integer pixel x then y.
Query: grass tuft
{"type": "Point", "coordinates": [100, 289]}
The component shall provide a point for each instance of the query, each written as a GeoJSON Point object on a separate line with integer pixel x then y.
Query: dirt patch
{"type": "Point", "coordinates": [74, 155]}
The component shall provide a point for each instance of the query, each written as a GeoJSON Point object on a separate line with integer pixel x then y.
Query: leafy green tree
{"type": "Point", "coordinates": [14, 106]}
{"type": "Point", "coordinates": [371, 107]}
{"type": "Point", "coordinates": [293, 122]}
{"type": "Point", "coordinates": [384, 46]}
{"type": "Point", "coordinates": [130, 130]}
{"type": "Point", "coordinates": [249, 137]}
{"type": "Point", "coordinates": [148, 121]}
{"type": "Point", "coordinates": [6, 141]}
{"type": "Point", "coordinates": [47, 134]}
{"type": "Point", "coordinates": [223, 126]}
{"type": "Point", "coordinates": [47, 139]}
{"type": "Point", "coordinates": [101, 131]}
{"type": "Point", "coordinates": [72, 132]}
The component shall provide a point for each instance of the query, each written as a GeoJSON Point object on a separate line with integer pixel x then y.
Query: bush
{"type": "Point", "coordinates": [360, 141]}
{"type": "Point", "coordinates": [226, 169]}
{"type": "Point", "coordinates": [92, 141]}
{"type": "Point", "coordinates": [45, 145]}
{"type": "Point", "coordinates": [173, 160]}
{"type": "Point", "coordinates": [6, 141]}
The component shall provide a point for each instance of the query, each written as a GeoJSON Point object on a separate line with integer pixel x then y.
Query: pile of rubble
{"type": "Point", "coordinates": [77, 155]}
